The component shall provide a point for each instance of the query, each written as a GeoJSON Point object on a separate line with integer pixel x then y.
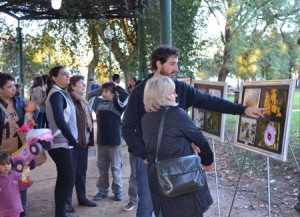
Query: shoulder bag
{"type": "Point", "coordinates": [180, 175]}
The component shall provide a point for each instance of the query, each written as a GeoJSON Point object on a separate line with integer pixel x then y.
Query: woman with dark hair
{"type": "Point", "coordinates": [45, 82]}
{"type": "Point", "coordinates": [38, 95]}
{"type": "Point", "coordinates": [76, 88]}
{"type": "Point", "coordinates": [131, 84]}
{"type": "Point", "coordinates": [61, 115]}
{"type": "Point", "coordinates": [14, 107]}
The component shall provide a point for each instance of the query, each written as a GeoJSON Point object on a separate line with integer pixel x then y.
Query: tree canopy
{"type": "Point", "coordinates": [257, 40]}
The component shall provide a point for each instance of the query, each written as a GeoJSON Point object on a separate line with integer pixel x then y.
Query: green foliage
{"type": "Point", "coordinates": [8, 47]}
{"type": "Point", "coordinates": [260, 41]}
{"type": "Point", "coordinates": [184, 34]}
{"type": "Point", "coordinates": [263, 27]}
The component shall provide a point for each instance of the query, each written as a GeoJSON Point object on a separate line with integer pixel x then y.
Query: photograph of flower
{"type": "Point", "coordinates": [268, 136]}
{"type": "Point", "coordinates": [248, 130]}
{"type": "Point", "coordinates": [251, 97]}
{"type": "Point", "coordinates": [275, 100]}
{"type": "Point", "coordinates": [212, 124]}
{"type": "Point", "coordinates": [198, 119]}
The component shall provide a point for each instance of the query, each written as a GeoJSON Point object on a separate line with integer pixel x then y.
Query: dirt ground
{"type": "Point", "coordinates": [252, 188]}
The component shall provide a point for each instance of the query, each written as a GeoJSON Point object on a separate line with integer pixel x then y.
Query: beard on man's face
{"type": "Point", "coordinates": [169, 74]}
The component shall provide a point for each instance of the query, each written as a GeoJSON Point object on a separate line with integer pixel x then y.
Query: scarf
{"type": "Point", "coordinates": [88, 118]}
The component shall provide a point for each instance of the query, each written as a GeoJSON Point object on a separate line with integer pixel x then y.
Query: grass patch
{"type": "Point", "coordinates": [296, 101]}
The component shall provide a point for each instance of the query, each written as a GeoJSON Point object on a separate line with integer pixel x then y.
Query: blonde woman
{"type": "Point", "coordinates": [178, 133]}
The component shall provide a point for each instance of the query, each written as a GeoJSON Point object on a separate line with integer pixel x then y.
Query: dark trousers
{"type": "Point", "coordinates": [63, 159]}
{"type": "Point", "coordinates": [80, 162]}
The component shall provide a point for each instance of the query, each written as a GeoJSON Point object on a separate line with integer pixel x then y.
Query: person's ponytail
{"type": "Point", "coordinates": [53, 72]}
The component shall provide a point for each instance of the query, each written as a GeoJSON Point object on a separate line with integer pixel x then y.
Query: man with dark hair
{"type": "Point", "coordinates": [116, 78]}
{"type": "Point", "coordinates": [164, 61]}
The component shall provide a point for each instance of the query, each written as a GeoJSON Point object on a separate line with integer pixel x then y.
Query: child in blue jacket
{"type": "Point", "coordinates": [108, 108]}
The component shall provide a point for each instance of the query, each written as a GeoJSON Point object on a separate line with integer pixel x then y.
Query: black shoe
{"type": "Point", "coordinates": [70, 208]}
{"type": "Point", "coordinates": [87, 202]}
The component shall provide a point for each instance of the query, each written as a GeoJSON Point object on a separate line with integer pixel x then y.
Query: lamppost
{"type": "Point", "coordinates": [109, 34]}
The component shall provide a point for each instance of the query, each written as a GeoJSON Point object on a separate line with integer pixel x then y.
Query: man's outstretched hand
{"type": "Point", "coordinates": [254, 112]}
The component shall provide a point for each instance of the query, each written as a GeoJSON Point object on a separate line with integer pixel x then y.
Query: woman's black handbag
{"type": "Point", "coordinates": [180, 175]}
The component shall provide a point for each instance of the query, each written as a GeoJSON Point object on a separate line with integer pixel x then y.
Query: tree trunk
{"type": "Point", "coordinates": [224, 71]}
{"type": "Point", "coordinates": [95, 47]}
{"type": "Point", "coordinates": [226, 39]}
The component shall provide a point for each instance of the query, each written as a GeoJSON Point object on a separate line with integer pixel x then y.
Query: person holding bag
{"type": "Point", "coordinates": [11, 118]}
{"type": "Point", "coordinates": [177, 135]}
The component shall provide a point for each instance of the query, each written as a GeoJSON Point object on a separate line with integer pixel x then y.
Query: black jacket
{"type": "Point", "coordinates": [179, 132]}
{"type": "Point", "coordinates": [187, 97]}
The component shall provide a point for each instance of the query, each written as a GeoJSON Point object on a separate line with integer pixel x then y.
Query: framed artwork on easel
{"type": "Point", "coordinates": [269, 135]}
{"type": "Point", "coordinates": [186, 80]}
{"type": "Point", "coordinates": [212, 124]}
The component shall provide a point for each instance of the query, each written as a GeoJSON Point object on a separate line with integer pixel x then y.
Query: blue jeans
{"type": "Point", "coordinates": [133, 186]}
{"type": "Point", "coordinates": [80, 158]}
{"type": "Point", "coordinates": [109, 156]}
{"type": "Point", "coordinates": [145, 207]}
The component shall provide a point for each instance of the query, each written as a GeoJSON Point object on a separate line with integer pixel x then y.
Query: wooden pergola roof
{"type": "Point", "coordinates": [70, 9]}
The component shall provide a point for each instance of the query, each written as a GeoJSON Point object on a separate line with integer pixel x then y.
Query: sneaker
{"type": "Point", "coordinates": [118, 197]}
{"type": "Point", "coordinates": [100, 196]}
{"type": "Point", "coordinates": [68, 215]}
{"type": "Point", "coordinates": [70, 208]}
{"type": "Point", "coordinates": [129, 206]}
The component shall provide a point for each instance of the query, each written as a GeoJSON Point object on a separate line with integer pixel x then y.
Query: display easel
{"type": "Point", "coordinates": [269, 180]}
{"type": "Point", "coordinates": [216, 176]}
{"type": "Point", "coordinates": [276, 124]}
{"type": "Point", "coordinates": [216, 173]}
{"type": "Point", "coordinates": [237, 163]}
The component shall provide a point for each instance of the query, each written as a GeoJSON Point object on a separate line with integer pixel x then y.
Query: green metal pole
{"type": "Point", "coordinates": [141, 41]}
{"type": "Point", "coordinates": [110, 67]}
{"type": "Point", "coordinates": [165, 22]}
{"type": "Point", "coordinates": [20, 58]}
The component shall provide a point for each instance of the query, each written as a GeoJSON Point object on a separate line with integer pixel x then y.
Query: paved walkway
{"type": "Point", "coordinates": [41, 196]}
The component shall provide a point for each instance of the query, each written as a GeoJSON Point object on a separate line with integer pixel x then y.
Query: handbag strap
{"type": "Point", "coordinates": [161, 127]}
{"type": "Point", "coordinates": [12, 121]}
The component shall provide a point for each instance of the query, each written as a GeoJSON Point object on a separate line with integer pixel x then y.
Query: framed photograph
{"type": "Point", "coordinates": [186, 80]}
{"type": "Point", "coordinates": [269, 135]}
{"type": "Point", "coordinates": [212, 124]}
